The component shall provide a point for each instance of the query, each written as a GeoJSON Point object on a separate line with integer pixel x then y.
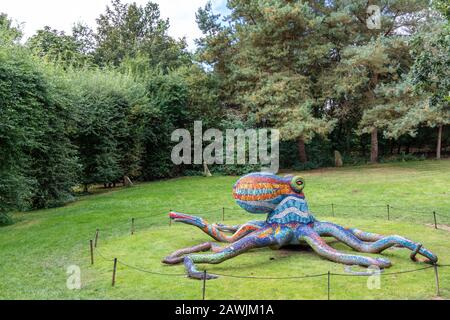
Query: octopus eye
{"type": "Point", "coordinates": [297, 184]}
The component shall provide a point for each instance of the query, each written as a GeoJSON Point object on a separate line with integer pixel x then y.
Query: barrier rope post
{"type": "Point", "coordinates": [96, 238]}
{"type": "Point", "coordinates": [435, 221]}
{"type": "Point", "coordinates": [132, 226]}
{"type": "Point", "coordinates": [92, 251]}
{"type": "Point", "coordinates": [204, 285]}
{"type": "Point", "coordinates": [328, 289]}
{"type": "Point", "coordinates": [332, 209]}
{"type": "Point", "coordinates": [114, 272]}
{"type": "Point", "coordinates": [388, 212]}
{"type": "Point", "coordinates": [436, 274]}
{"type": "Point", "coordinates": [223, 214]}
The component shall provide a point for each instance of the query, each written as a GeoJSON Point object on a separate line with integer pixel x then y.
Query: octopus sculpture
{"type": "Point", "coordinates": [288, 222]}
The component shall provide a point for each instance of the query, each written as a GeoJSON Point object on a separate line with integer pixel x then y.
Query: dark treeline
{"type": "Point", "coordinates": [98, 105]}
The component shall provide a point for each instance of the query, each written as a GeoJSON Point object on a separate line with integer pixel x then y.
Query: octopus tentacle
{"type": "Point", "coordinates": [212, 230]}
{"type": "Point", "coordinates": [360, 234]}
{"type": "Point", "coordinates": [365, 236]}
{"type": "Point", "coordinates": [378, 246]}
{"type": "Point", "coordinates": [323, 249]}
{"type": "Point", "coordinates": [329, 229]}
{"type": "Point", "coordinates": [178, 256]}
{"type": "Point", "coordinates": [264, 237]}
{"type": "Point", "coordinates": [227, 228]}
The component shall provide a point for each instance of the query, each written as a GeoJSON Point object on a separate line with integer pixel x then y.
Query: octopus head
{"type": "Point", "coordinates": [261, 192]}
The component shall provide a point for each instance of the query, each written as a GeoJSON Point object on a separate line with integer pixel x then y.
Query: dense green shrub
{"type": "Point", "coordinates": [38, 163]}
{"type": "Point", "coordinates": [108, 134]}
{"type": "Point", "coordinates": [5, 219]}
{"type": "Point", "coordinates": [177, 99]}
{"type": "Point", "coordinates": [402, 157]}
{"type": "Point", "coordinates": [168, 97]}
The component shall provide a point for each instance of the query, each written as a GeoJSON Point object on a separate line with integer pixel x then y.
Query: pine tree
{"type": "Point", "coordinates": [269, 64]}
{"type": "Point", "coordinates": [368, 58]}
{"type": "Point", "coordinates": [422, 96]}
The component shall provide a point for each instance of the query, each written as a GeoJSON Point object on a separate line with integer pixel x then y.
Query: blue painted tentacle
{"type": "Point", "coordinates": [322, 248]}
{"type": "Point", "coordinates": [192, 271]}
{"type": "Point", "coordinates": [347, 237]}
{"type": "Point", "coordinates": [265, 237]}
{"type": "Point", "coordinates": [213, 230]}
{"type": "Point", "coordinates": [365, 236]}
{"type": "Point", "coordinates": [227, 228]}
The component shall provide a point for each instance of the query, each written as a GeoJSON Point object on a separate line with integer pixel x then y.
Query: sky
{"type": "Point", "coordinates": [62, 14]}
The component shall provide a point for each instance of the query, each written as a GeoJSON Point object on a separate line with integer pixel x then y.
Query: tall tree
{"type": "Point", "coordinates": [293, 63]}
{"type": "Point", "coordinates": [365, 58]}
{"type": "Point", "coordinates": [128, 31]}
{"type": "Point", "coordinates": [57, 47]}
{"type": "Point", "coordinates": [270, 62]}
{"type": "Point", "coordinates": [9, 33]}
{"type": "Point", "coordinates": [421, 97]}
{"type": "Point", "coordinates": [85, 38]}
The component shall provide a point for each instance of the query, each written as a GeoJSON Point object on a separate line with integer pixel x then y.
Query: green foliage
{"type": "Point", "coordinates": [129, 31]}
{"type": "Point", "coordinates": [99, 104]}
{"type": "Point", "coordinates": [9, 34]}
{"type": "Point", "coordinates": [402, 157]}
{"type": "Point", "coordinates": [420, 97]}
{"type": "Point", "coordinates": [108, 133]}
{"type": "Point", "coordinates": [5, 219]}
{"type": "Point", "coordinates": [320, 153]}
{"type": "Point", "coordinates": [57, 47]}
{"type": "Point", "coordinates": [310, 68]}
{"type": "Point", "coordinates": [269, 76]}
{"type": "Point", "coordinates": [38, 161]}
{"type": "Point", "coordinates": [181, 97]}
{"type": "Point", "coordinates": [443, 6]}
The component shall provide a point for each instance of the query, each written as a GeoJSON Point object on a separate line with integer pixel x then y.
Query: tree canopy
{"type": "Point", "coordinates": [98, 105]}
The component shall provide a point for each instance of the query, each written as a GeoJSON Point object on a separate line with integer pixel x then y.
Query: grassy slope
{"type": "Point", "coordinates": [36, 251]}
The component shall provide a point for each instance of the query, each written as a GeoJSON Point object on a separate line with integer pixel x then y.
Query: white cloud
{"type": "Point", "coordinates": [62, 14]}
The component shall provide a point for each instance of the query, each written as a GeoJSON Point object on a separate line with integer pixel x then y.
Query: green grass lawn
{"type": "Point", "coordinates": [36, 251]}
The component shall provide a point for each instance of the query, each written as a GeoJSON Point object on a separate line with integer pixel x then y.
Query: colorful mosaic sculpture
{"type": "Point", "coordinates": [288, 222]}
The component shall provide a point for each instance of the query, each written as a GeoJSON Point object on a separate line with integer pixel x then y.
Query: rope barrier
{"type": "Point", "coordinates": [381, 206]}
{"type": "Point", "coordinates": [411, 210]}
{"type": "Point", "coordinates": [442, 215]}
{"type": "Point", "coordinates": [381, 273]}
{"type": "Point", "coordinates": [267, 278]}
{"type": "Point", "coordinates": [149, 271]}
{"type": "Point", "coordinates": [136, 268]}
{"type": "Point", "coordinates": [102, 256]}
{"type": "Point", "coordinates": [271, 278]}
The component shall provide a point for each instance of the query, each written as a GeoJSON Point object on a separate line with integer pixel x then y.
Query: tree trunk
{"type": "Point", "coordinates": [302, 150]}
{"type": "Point", "coordinates": [374, 146]}
{"type": "Point", "coordinates": [439, 143]}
